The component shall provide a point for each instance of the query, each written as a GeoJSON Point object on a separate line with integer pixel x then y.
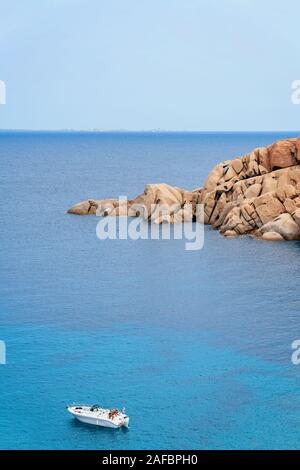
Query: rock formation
{"type": "Point", "coordinates": [158, 203]}
{"type": "Point", "coordinates": [257, 194]}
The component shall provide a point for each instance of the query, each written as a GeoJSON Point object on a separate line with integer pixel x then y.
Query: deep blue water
{"type": "Point", "coordinates": [196, 345]}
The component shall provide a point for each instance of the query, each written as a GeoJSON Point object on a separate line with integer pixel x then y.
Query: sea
{"type": "Point", "coordinates": [197, 345]}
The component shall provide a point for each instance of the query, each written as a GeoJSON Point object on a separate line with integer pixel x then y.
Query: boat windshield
{"type": "Point", "coordinates": [94, 408]}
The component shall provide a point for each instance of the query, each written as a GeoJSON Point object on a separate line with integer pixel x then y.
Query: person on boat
{"type": "Point", "coordinates": [113, 413]}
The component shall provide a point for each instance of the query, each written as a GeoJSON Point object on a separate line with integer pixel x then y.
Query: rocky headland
{"type": "Point", "coordinates": [257, 194]}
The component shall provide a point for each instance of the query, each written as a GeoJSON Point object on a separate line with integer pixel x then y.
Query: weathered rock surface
{"type": "Point", "coordinates": [158, 203]}
{"type": "Point", "coordinates": [272, 236]}
{"type": "Point", "coordinates": [257, 194]}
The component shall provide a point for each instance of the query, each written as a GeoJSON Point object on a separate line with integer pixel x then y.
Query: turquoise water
{"type": "Point", "coordinates": [196, 345]}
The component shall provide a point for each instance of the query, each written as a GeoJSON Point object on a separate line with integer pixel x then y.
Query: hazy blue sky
{"type": "Point", "coordinates": [144, 64]}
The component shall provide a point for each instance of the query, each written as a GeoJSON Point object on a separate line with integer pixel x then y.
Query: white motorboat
{"type": "Point", "coordinates": [99, 416]}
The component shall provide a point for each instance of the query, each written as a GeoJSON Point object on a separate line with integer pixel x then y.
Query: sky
{"type": "Point", "coordinates": [192, 65]}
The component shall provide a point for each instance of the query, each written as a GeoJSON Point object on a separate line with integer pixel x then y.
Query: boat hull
{"type": "Point", "coordinates": [96, 418]}
{"type": "Point", "coordinates": [97, 422]}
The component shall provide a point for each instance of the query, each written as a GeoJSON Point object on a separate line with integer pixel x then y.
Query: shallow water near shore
{"type": "Point", "coordinates": [196, 345]}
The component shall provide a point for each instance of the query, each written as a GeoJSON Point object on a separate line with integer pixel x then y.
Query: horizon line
{"type": "Point", "coordinates": [157, 131]}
